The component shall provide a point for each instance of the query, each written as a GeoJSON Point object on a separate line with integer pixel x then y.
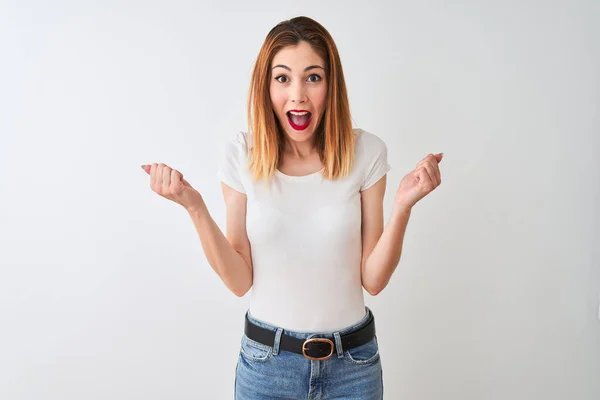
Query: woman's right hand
{"type": "Point", "coordinates": [169, 183]}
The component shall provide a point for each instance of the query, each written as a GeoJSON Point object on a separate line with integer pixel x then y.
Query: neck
{"type": "Point", "coordinates": [300, 149]}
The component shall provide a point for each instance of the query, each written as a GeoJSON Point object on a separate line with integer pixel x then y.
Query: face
{"type": "Point", "coordinates": [298, 90]}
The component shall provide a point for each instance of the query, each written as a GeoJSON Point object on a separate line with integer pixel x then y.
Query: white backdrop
{"type": "Point", "coordinates": [105, 292]}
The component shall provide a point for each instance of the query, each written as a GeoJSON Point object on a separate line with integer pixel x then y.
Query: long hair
{"type": "Point", "coordinates": [334, 137]}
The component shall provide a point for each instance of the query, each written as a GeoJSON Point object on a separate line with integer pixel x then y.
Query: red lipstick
{"type": "Point", "coordinates": [299, 127]}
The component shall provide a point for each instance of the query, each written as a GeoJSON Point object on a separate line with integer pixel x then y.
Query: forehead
{"type": "Point", "coordinates": [299, 56]}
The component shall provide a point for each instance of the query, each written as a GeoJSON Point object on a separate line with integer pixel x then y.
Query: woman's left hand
{"type": "Point", "coordinates": [419, 182]}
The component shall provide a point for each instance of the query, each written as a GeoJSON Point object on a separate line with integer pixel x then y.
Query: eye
{"type": "Point", "coordinates": [316, 77]}
{"type": "Point", "coordinates": [281, 79]}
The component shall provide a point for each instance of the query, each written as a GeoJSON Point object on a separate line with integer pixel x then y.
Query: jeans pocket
{"type": "Point", "coordinates": [364, 354]}
{"type": "Point", "coordinates": [252, 350]}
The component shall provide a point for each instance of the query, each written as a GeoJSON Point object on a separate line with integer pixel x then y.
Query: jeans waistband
{"type": "Point", "coordinates": [308, 335]}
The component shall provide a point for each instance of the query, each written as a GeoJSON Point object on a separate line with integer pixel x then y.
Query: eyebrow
{"type": "Point", "coordinates": [305, 69]}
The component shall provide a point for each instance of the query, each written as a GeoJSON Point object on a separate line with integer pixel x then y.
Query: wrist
{"type": "Point", "coordinates": [401, 210]}
{"type": "Point", "coordinates": [198, 207]}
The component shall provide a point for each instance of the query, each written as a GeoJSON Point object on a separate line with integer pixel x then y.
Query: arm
{"type": "Point", "coordinates": [381, 248]}
{"type": "Point", "coordinates": [229, 255]}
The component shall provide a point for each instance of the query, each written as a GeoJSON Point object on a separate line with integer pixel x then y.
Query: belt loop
{"type": "Point", "coordinates": [338, 345]}
{"type": "Point", "coordinates": [277, 341]}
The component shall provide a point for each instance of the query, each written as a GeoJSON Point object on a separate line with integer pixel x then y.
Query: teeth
{"type": "Point", "coordinates": [299, 113]}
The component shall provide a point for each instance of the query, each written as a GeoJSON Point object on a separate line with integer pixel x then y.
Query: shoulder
{"type": "Point", "coordinates": [241, 140]}
{"type": "Point", "coordinates": [232, 166]}
{"type": "Point", "coordinates": [368, 144]}
{"type": "Point", "coordinates": [371, 158]}
{"type": "Point", "coordinates": [237, 145]}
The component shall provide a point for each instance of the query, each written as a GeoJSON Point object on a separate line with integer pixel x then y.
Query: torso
{"type": "Point", "coordinates": [306, 244]}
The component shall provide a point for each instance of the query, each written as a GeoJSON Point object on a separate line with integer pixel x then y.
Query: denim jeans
{"type": "Point", "coordinates": [268, 373]}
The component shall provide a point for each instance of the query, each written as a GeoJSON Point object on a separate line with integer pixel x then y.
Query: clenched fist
{"type": "Point", "coordinates": [420, 182]}
{"type": "Point", "coordinates": [169, 183]}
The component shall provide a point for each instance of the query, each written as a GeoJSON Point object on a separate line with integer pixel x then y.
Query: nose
{"type": "Point", "coordinates": [297, 93]}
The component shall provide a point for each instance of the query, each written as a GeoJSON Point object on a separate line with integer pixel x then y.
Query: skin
{"type": "Point", "coordinates": [298, 82]}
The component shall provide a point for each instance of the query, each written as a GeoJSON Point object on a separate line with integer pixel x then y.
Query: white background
{"type": "Point", "coordinates": [105, 292]}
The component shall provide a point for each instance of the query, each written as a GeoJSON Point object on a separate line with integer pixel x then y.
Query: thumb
{"type": "Point", "coordinates": [146, 168]}
{"type": "Point", "coordinates": [439, 157]}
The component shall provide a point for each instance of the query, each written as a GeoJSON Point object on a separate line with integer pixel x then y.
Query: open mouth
{"type": "Point", "coordinates": [299, 119]}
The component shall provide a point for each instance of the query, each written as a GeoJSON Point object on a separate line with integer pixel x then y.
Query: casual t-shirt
{"type": "Point", "coordinates": [305, 238]}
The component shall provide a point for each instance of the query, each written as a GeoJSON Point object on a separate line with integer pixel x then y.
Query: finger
{"type": "Point", "coordinates": [431, 171]}
{"type": "Point", "coordinates": [433, 157]}
{"type": "Point", "coordinates": [158, 175]}
{"type": "Point", "coordinates": [425, 180]}
{"type": "Point", "coordinates": [426, 163]}
{"type": "Point", "coordinates": [153, 180]}
{"type": "Point", "coordinates": [166, 176]}
{"type": "Point", "coordinates": [176, 177]}
{"type": "Point", "coordinates": [429, 157]}
{"type": "Point", "coordinates": [146, 168]}
{"type": "Point", "coordinates": [436, 167]}
{"type": "Point", "coordinates": [432, 161]}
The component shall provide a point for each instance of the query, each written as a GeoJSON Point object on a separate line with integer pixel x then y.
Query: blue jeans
{"type": "Point", "coordinates": [266, 373]}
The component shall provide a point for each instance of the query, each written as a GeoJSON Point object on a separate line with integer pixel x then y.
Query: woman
{"type": "Point", "coordinates": [304, 196]}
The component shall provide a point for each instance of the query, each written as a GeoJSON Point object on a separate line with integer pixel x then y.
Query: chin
{"type": "Point", "coordinates": [299, 136]}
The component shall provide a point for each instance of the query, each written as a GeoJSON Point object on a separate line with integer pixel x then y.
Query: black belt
{"type": "Point", "coordinates": [313, 348]}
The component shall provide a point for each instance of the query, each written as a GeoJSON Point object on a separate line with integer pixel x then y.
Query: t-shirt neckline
{"type": "Point", "coordinates": [299, 177]}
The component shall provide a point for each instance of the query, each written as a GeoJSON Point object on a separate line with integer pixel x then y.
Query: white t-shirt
{"type": "Point", "coordinates": [305, 238]}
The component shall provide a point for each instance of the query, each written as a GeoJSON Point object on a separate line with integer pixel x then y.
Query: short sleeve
{"type": "Point", "coordinates": [233, 161]}
{"type": "Point", "coordinates": [378, 165]}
